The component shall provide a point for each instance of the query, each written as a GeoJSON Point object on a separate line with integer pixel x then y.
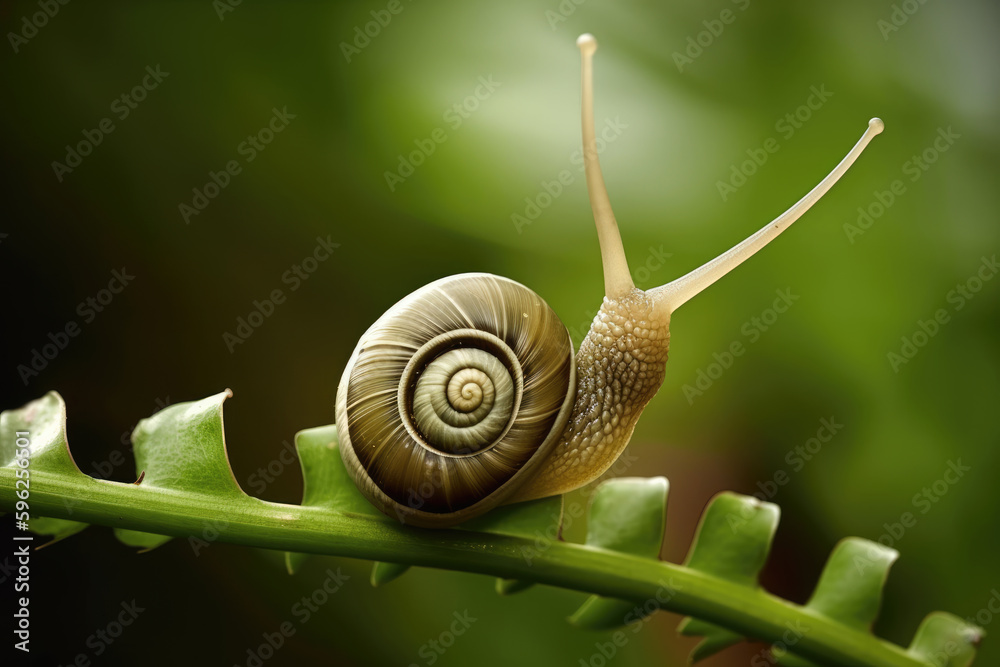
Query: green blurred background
{"type": "Point", "coordinates": [678, 134]}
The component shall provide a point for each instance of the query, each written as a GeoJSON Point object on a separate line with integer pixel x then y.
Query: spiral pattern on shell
{"type": "Point", "coordinates": [453, 397]}
{"type": "Point", "coordinates": [463, 400]}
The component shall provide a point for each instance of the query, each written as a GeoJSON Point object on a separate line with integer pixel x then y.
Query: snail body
{"type": "Point", "coordinates": [467, 394]}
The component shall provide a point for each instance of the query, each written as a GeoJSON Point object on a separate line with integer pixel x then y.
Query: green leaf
{"type": "Point", "coordinates": [43, 423]}
{"type": "Point", "coordinates": [627, 515]}
{"type": "Point", "coordinates": [944, 640]}
{"type": "Point", "coordinates": [171, 453]}
{"type": "Point", "coordinates": [294, 561]}
{"type": "Point", "coordinates": [326, 482]}
{"type": "Point", "coordinates": [511, 586]}
{"type": "Point", "coordinates": [850, 588]}
{"type": "Point", "coordinates": [188, 490]}
{"type": "Point", "coordinates": [732, 542]}
{"type": "Point", "coordinates": [537, 519]}
{"type": "Point", "coordinates": [59, 529]}
{"type": "Point", "coordinates": [179, 449]}
{"type": "Point", "coordinates": [601, 613]}
{"type": "Point", "coordinates": [383, 573]}
{"type": "Point", "coordinates": [140, 540]}
{"type": "Point", "coordinates": [734, 538]}
{"type": "Point", "coordinates": [714, 639]}
{"type": "Point", "coordinates": [38, 432]}
{"type": "Point", "coordinates": [143, 541]}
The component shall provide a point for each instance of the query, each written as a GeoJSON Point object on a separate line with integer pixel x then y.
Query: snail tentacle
{"type": "Point", "coordinates": [617, 278]}
{"type": "Point", "coordinates": [675, 294]}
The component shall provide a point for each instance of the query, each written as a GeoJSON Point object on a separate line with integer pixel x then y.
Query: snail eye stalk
{"type": "Point", "coordinates": [674, 294]}
{"type": "Point", "coordinates": [617, 279]}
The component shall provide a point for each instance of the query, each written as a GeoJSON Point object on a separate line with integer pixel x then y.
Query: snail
{"type": "Point", "coordinates": [467, 394]}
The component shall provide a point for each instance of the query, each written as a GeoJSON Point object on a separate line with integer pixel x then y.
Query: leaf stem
{"type": "Point", "coordinates": [254, 522]}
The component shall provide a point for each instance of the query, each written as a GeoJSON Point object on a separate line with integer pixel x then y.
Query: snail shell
{"type": "Point", "coordinates": [453, 398]}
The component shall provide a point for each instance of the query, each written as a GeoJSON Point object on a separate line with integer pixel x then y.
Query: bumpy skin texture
{"type": "Point", "coordinates": [619, 368]}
